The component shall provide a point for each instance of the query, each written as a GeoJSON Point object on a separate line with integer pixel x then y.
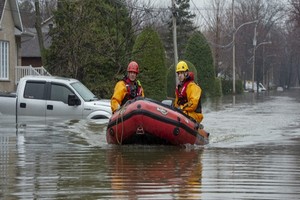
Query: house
{"type": "Point", "coordinates": [30, 53]}
{"type": "Point", "coordinates": [12, 39]}
{"type": "Point", "coordinates": [11, 29]}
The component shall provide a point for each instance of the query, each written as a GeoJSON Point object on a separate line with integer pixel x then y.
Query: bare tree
{"type": "Point", "coordinates": [269, 15]}
{"type": "Point", "coordinates": [294, 40]}
{"type": "Point", "coordinates": [215, 29]}
{"type": "Point", "coordinates": [38, 26]}
{"type": "Point", "coordinates": [28, 12]}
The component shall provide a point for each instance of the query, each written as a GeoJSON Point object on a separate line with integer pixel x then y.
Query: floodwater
{"type": "Point", "coordinates": [253, 154]}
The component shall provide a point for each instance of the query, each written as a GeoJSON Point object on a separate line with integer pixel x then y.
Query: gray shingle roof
{"type": "Point", "coordinates": [1, 8]}
{"type": "Point", "coordinates": [15, 13]}
{"type": "Point", "coordinates": [30, 45]}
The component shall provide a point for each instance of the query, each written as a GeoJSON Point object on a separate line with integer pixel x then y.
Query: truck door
{"type": "Point", "coordinates": [33, 102]}
{"type": "Point", "coordinates": [57, 103]}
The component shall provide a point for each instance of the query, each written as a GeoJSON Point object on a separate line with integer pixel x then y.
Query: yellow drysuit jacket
{"type": "Point", "coordinates": [120, 92]}
{"type": "Point", "coordinates": [193, 93]}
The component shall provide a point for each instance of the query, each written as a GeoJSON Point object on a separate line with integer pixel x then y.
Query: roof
{"type": "Point", "coordinates": [30, 45]}
{"type": "Point", "coordinates": [1, 8]}
{"type": "Point", "coordinates": [15, 13]}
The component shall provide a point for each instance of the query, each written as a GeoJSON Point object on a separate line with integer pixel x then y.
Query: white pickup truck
{"type": "Point", "coordinates": [49, 97]}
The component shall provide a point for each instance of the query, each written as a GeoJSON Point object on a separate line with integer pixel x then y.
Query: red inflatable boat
{"type": "Point", "coordinates": [145, 121]}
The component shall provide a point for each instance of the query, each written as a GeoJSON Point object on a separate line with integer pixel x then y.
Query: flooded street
{"type": "Point", "coordinates": [253, 154]}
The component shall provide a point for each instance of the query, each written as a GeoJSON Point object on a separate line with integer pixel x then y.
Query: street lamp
{"type": "Point", "coordinates": [233, 52]}
{"type": "Point", "coordinates": [254, 49]}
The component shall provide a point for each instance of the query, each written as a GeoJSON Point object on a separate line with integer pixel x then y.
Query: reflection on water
{"type": "Point", "coordinates": [169, 173]}
{"type": "Point", "coordinates": [253, 154]}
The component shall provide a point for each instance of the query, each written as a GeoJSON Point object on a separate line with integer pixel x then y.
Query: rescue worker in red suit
{"type": "Point", "coordinates": [128, 88]}
{"type": "Point", "coordinates": [188, 93]}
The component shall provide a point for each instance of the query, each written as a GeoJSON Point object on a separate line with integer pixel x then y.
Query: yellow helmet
{"type": "Point", "coordinates": [182, 67]}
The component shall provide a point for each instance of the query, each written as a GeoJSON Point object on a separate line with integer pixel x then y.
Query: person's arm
{"type": "Point", "coordinates": [142, 89]}
{"type": "Point", "coordinates": [193, 96]}
{"type": "Point", "coordinates": [118, 96]}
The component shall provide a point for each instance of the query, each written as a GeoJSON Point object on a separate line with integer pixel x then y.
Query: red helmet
{"type": "Point", "coordinates": [133, 67]}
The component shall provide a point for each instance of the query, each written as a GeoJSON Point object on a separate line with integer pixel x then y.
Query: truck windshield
{"type": "Point", "coordinates": [84, 92]}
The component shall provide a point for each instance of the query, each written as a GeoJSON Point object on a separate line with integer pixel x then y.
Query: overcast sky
{"type": "Point", "coordinates": [199, 7]}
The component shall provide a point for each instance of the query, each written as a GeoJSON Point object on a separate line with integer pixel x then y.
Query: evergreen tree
{"type": "Point", "coordinates": [185, 27]}
{"type": "Point", "coordinates": [199, 53]}
{"type": "Point", "coordinates": [92, 41]}
{"type": "Point", "coordinates": [148, 51]}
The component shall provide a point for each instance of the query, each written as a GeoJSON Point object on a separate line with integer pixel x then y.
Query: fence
{"type": "Point", "coordinates": [22, 71]}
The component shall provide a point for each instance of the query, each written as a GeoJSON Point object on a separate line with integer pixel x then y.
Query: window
{"type": "Point", "coordinates": [34, 90]}
{"type": "Point", "coordinates": [4, 61]}
{"type": "Point", "coordinates": [85, 93]}
{"type": "Point", "coordinates": [60, 93]}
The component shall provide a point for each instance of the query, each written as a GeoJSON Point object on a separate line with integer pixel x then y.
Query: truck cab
{"type": "Point", "coordinates": [56, 97]}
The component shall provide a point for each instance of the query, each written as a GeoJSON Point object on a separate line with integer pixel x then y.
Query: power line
{"type": "Point", "coordinates": [199, 11]}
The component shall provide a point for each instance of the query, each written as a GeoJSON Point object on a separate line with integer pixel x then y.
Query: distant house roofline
{"type": "Point", "coordinates": [2, 6]}
{"type": "Point", "coordinates": [15, 14]}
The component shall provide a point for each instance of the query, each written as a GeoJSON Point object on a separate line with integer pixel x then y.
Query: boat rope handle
{"type": "Point", "coordinates": [122, 123]}
{"type": "Point", "coordinates": [121, 113]}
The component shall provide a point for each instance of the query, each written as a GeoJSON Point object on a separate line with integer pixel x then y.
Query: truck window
{"type": "Point", "coordinates": [84, 92]}
{"type": "Point", "coordinates": [34, 90]}
{"type": "Point", "coordinates": [60, 93]}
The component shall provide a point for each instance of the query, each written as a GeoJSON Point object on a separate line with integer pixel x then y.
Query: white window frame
{"type": "Point", "coordinates": [4, 60]}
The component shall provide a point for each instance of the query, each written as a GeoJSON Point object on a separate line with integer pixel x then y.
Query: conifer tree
{"type": "Point", "coordinates": [199, 53]}
{"type": "Point", "coordinates": [91, 41]}
{"type": "Point", "coordinates": [184, 25]}
{"type": "Point", "coordinates": [148, 51]}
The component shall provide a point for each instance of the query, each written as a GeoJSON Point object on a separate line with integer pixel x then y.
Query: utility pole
{"type": "Point", "coordinates": [217, 39]}
{"type": "Point", "coordinates": [253, 64]}
{"type": "Point", "coordinates": [255, 46]}
{"type": "Point", "coordinates": [263, 66]}
{"type": "Point", "coordinates": [174, 14]}
{"type": "Point", "coordinates": [233, 50]}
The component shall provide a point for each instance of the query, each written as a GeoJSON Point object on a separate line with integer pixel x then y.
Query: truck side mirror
{"type": "Point", "coordinates": [73, 100]}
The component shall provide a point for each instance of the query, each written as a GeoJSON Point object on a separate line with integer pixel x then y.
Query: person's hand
{"type": "Point", "coordinates": [180, 107]}
{"type": "Point", "coordinates": [116, 109]}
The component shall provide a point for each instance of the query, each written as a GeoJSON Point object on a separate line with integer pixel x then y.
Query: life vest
{"type": "Point", "coordinates": [181, 92]}
{"type": "Point", "coordinates": [134, 89]}
{"type": "Point", "coordinates": [182, 95]}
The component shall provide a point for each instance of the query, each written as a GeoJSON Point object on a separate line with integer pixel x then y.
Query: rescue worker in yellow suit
{"type": "Point", "coordinates": [188, 93]}
{"type": "Point", "coordinates": [128, 88]}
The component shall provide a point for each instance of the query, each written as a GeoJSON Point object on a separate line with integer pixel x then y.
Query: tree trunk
{"type": "Point", "coordinates": [38, 23]}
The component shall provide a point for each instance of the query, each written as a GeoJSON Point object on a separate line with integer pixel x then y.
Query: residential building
{"type": "Point", "coordinates": [11, 30]}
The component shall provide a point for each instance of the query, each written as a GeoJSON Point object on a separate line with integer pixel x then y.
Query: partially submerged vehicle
{"type": "Point", "coordinates": [46, 98]}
